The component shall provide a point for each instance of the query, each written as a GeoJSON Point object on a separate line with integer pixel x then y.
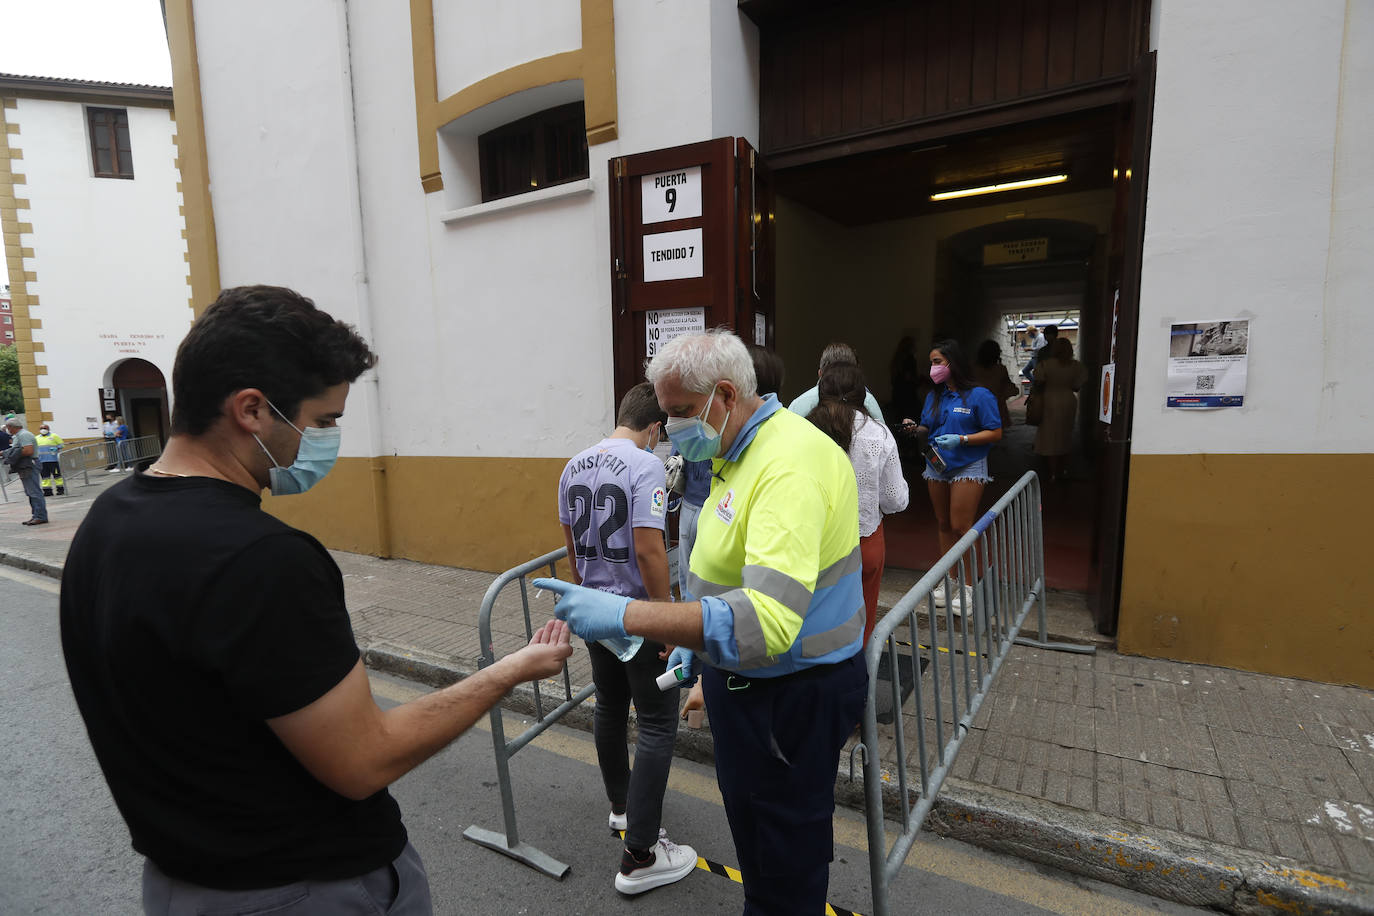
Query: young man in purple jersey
{"type": "Point", "coordinates": [611, 502]}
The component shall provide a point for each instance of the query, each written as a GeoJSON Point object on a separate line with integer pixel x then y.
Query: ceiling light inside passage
{"type": "Point", "coordinates": [1004, 186]}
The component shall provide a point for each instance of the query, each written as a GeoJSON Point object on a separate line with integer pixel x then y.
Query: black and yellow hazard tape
{"type": "Point", "coordinates": [733, 874]}
{"type": "Point", "coordinates": [924, 648]}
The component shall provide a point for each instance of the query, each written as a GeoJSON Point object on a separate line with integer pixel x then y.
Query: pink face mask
{"type": "Point", "coordinates": [938, 374]}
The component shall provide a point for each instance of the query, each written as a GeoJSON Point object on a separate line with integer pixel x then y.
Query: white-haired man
{"type": "Point", "coordinates": [780, 618]}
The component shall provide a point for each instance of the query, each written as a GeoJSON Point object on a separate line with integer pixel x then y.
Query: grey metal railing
{"type": "Point", "coordinates": [509, 842]}
{"type": "Point", "coordinates": [130, 452]}
{"type": "Point", "coordinates": [77, 462]}
{"type": "Point", "coordinates": [1003, 558]}
{"type": "Point", "coordinates": [8, 477]}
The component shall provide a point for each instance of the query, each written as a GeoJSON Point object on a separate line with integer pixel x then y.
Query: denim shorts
{"type": "Point", "coordinates": [977, 471]}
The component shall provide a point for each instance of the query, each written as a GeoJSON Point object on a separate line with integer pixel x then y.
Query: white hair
{"type": "Point", "coordinates": [699, 361]}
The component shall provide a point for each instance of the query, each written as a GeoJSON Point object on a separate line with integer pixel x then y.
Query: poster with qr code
{"type": "Point", "coordinates": [1208, 362]}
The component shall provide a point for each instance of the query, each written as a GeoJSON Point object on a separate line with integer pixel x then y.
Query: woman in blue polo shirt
{"type": "Point", "coordinates": [962, 421]}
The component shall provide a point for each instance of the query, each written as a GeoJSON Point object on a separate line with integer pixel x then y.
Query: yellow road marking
{"type": "Point", "coordinates": [851, 830]}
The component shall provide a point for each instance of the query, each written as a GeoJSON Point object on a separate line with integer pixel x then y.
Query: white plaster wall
{"type": "Point", "coordinates": [1260, 207]}
{"type": "Point", "coordinates": [734, 73]}
{"type": "Point", "coordinates": [494, 332]}
{"type": "Point", "coordinates": [108, 254]}
{"type": "Point", "coordinates": [663, 74]}
{"type": "Point", "coordinates": [475, 38]}
{"type": "Point", "coordinates": [278, 130]}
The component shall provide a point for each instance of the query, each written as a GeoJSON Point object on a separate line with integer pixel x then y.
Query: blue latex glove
{"type": "Point", "coordinates": [687, 658]}
{"type": "Point", "coordinates": [948, 440]}
{"type": "Point", "coordinates": [590, 613]}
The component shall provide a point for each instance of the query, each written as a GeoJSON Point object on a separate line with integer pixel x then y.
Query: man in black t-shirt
{"type": "Point", "coordinates": [210, 650]}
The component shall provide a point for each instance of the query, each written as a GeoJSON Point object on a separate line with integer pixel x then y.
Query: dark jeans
{"type": "Point", "coordinates": [778, 744]}
{"type": "Point", "coordinates": [639, 793]}
{"type": "Point", "coordinates": [398, 889]}
{"type": "Point", "coordinates": [33, 489]}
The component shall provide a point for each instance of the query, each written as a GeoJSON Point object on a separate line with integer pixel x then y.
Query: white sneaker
{"type": "Point", "coordinates": [619, 821]}
{"type": "Point", "coordinates": [937, 594]}
{"type": "Point", "coordinates": [963, 602]}
{"type": "Point", "coordinates": [668, 862]}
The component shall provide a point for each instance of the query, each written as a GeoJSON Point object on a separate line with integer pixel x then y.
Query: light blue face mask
{"type": "Point", "coordinates": [696, 439]}
{"type": "Point", "coordinates": [318, 451]}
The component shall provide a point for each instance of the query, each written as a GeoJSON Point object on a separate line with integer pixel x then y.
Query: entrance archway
{"type": "Point", "coordinates": [140, 396]}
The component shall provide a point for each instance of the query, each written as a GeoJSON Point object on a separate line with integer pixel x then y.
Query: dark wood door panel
{"type": "Point", "coordinates": [847, 70]}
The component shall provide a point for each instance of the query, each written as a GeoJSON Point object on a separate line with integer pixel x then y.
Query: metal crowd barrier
{"type": "Point", "coordinates": [509, 842]}
{"type": "Point", "coordinates": [1003, 558]}
{"type": "Point", "coordinates": [78, 461]}
{"type": "Point", "coordinates": [130, 452]}
{"type": "Point", "coordinates": [903, 769]}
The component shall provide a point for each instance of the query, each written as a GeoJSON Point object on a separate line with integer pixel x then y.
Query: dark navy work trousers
{"type": "Point", "coordinates": [777, 743]}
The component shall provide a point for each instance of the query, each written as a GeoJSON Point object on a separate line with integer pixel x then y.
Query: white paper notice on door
{"type": "Point", "coordinates": [673, 256]}
{"type": "Point", "coordinates": [662, 325]}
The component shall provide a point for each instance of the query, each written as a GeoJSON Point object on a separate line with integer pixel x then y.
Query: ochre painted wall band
{"type": "Point", "coordinates": [197, 208]}
{"type": "Point", "coordinates": [1254, 562]}
{"type": "Point", "coordinates": [11, 229]}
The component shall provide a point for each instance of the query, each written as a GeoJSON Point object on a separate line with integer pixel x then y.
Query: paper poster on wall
{"type": "Point", "coordinates": [761, 329]}
{"type": "Point", "coordinates": [670, 195]}
{"type": "Point", "coordinates": [673, 256]}
{"type": "Point", "coordinates": [1105, 393]}
{"type": "Point", "coordinates": [662, 325]}
{"type": "Point", "coordinates": [1208, 362]}
{"type": "Point", "coordinates": [109, 405]}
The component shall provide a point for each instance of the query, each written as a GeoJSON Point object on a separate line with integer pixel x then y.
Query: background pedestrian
{"type": "Point", "coordinates": [872, 451]}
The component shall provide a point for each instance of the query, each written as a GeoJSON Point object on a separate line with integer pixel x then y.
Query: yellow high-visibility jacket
{"type": "Point", "coordinates": [776, 560]}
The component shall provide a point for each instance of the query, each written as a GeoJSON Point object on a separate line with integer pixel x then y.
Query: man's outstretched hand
{"type": "Point", "coordinates": [590, 613]}
{"type": "Point", "coordinates": [544, 656]}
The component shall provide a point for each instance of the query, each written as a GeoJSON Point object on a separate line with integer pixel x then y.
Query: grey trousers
{"type": "Point", "coordinates": [33, 489]}
{"type": "Point", "coordinates": [640, 793]}
{"type": "Point", "coordinates": [398, 889]}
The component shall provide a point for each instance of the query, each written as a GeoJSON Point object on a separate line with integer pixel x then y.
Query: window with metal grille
{"type": "Point", "coordinates": [539, 151]}
{"type": "Point", "coordinates": [111, 155]}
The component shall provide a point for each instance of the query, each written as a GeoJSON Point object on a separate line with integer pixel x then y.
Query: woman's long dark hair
{"type": "Point", "coordinates": [960, 372]}
{"type": "Point", "coordinates": [842, 390]}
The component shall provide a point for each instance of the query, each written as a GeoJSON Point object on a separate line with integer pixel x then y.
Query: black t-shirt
{"type": "Point", "coordinates": [190, 616]}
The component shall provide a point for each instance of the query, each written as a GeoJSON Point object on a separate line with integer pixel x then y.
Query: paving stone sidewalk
{"type": "Point", "coordinates": [1256, 774]}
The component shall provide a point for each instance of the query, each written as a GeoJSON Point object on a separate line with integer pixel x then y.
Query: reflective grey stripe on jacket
{"type": "Point", "coordinates": [792, 594]}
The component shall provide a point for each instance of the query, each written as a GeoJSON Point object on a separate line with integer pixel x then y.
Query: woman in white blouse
{"type": "Point", "coordinates": [873, 452]}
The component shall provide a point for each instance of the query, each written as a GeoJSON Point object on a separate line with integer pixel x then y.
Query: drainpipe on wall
{"type": "Point", "coordinates": [369, 382]}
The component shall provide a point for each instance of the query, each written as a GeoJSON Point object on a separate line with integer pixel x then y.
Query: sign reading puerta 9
{"type": "Point", "coordinates": [678, 255]}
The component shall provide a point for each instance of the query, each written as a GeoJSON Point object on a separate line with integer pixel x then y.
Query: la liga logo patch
{"type": "Point", "coordinates": [658, 501]}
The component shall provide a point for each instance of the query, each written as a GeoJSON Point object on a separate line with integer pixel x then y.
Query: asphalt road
{"type": "Point", "coordinates": [65, 849]}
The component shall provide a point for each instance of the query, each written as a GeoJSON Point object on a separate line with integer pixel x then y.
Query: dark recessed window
{"type": "Point", "coordinates": [543, 149]}
{"type": "Point", "coordinates": [111, 155]}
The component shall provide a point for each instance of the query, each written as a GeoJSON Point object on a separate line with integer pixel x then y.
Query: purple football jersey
{"type": "Point", "coordinates": [605, 493]}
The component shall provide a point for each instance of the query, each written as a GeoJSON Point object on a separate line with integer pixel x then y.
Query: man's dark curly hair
{"type": "Point", "coordinates": [265, 337]}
